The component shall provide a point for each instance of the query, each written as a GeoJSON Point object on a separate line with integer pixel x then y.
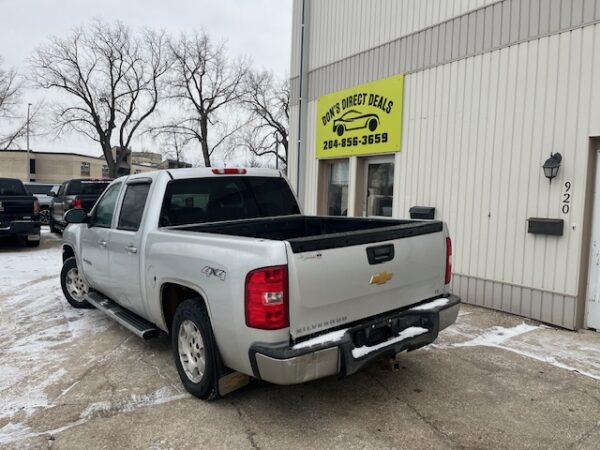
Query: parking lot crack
{"type": "Point", "coordinates": [441, 433]}
{"type": "Point", "coordinates": [250, 434]}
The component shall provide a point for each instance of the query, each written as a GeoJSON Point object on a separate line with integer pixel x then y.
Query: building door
{"type": "Point", "coordinates": [593, 288]}
{"type": "Point", "coordinates": [380, 187]}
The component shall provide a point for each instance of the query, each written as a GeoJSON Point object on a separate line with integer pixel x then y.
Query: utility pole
{"type": "Point", "coordinates": [28, 156]}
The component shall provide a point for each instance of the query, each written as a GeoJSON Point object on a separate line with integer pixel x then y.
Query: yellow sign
{"type": "Point", "coordinates": [362, 120]}
{"type": "Point", "coordinates": [381, 278]}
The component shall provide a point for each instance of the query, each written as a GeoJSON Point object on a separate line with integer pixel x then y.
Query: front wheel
{"type": "Point", "coordinates": [73, 286]}
{"type": "Point", "coordinates": [194, 350]}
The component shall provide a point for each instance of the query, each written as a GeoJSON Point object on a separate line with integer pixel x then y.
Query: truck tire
{"type": "Point", "coordinates": [52, 225]}
{"type": "Point", "coordinates": [194, 350]}
{"type": "Point", "coordinates": [73, 286]}
{"type": "Point", "coordinates": [29, 243]}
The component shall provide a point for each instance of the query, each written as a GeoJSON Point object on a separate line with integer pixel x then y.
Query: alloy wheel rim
{"type": "Point", "coordinates": [75, 285]}
{"type": "Point", "coordinates": [192, 353]}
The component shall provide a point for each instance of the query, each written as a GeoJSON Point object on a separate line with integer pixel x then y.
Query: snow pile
{"type": "Point", "coordinates": [431, 305]}
{"type": "Point", "coordinates": [403, 335]}
{"type": "Point", "coordinates": [334, 336]}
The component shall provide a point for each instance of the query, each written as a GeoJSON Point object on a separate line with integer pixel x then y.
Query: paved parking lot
{"type": "Point", "coordinates": [74, 379]}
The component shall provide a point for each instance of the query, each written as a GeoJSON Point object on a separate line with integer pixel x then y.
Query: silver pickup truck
{"type": "Point", "coordinates": [223, 261]}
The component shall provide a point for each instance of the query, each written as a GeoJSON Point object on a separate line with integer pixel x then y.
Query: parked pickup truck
{"type": "Point", "coordinates": [223, 261]}
{"type": "Point", "coordinates": [78, 193]}
{"type": "Point", "coordinates": [19, 212]}
{"type": "Point", "coordinates": [44, 193]}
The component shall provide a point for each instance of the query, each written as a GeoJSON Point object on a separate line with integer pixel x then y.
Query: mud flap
{"type": "Point", "coordinates": [232, 382]}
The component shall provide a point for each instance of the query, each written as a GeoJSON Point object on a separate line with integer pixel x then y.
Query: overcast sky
{"type": "Point", "coordinates": [260, 29]}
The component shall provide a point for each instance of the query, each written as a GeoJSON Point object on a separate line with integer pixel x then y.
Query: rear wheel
{"type": "Point", "coordinates": [73, 286]}
{"type": "Point", "coordinates": [340, 130]}
{"type": "Point", "coordinates": [45, 216]}
{"type": "Point", "coordinates": [194, 350]}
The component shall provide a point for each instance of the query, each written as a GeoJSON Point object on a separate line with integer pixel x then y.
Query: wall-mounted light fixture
{"type": "Point", "coordinates": [552, 165]}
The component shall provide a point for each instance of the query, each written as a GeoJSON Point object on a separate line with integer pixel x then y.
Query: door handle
{"type": "Point", "coordinates": [131, 249]}
{"type": "Point", "coordinates": [102, 243]}
{"type": "Point", "coordinates": [380, 254]}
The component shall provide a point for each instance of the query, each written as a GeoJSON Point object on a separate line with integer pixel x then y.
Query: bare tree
{"type": "Point", "coordinates": [267, 100]}
{"type": "Point", "coordinates": [113, 81]}
{"type": "Point", "coordinates": [13, 119]}
{"type": "Point", "coordinates": [173, 144]}
{"type": "Point", "coordinates": [205, 85]}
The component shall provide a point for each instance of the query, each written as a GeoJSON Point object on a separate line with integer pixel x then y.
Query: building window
{"type": "Point", "coordinates": [380, 188]}
{"type": "Point", "coordinates": [85, 169]}
{"type": "Point", "coordinates": [32, 166]}
{"type": "Point", "coordinates": [337, 189]}
{"type": "Point", "coordinates": [105, 171]}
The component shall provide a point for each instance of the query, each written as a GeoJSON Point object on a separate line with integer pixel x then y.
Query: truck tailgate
{"type": "Point", "coordinates": [16, 207]}
{"type": "Point", "coordinates": [338, 285]}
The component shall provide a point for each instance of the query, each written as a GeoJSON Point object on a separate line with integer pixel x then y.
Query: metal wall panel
{"type": "Point", "coordinates": [504, 23]}
{"type": "Point", "coordinates": [526, 302]}
{"type": "Point", "coordinates": [355, 25]}
{"type": "Point", "coordinates": [476, 132]}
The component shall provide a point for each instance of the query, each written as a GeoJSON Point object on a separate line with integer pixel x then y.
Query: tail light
{"type": "Point", "coordinates": [36, 206]}
{"type": "Point", "coordinates": [77, 203]}
{"type": "Point", "coordinates": [448, 261]}
{"type": "Point", "coordinates": [228, 171]}
{"type": "Point", "coordinates": [267, 298]}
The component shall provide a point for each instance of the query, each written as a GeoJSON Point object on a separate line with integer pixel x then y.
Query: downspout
{"type": "Point", "coordinates": [303, 103]}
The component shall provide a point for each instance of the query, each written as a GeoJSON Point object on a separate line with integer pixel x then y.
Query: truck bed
{"type": "Point", "coordinates": [311, 233]}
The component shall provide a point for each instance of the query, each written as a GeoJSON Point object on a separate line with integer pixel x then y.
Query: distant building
{"type": "Point", "coordinates": [174, 164]}
{"type": "Point", "coordinates": [53, 167]}
{"type": "Point", "coordinates": [146, 158]}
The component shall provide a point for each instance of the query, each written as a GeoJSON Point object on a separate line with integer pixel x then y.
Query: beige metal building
{"type": "Point", "coordinates": [52, 167]}
{"type": "Point", "coordinates": [473, 97]}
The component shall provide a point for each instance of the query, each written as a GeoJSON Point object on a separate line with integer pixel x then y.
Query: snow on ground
{"type": "Point", "coordinates": [39, 334]}
{"type": "Point", "coordinates": [36, 325]}
{"type": "Point", "coordinates": [42, 337]}
{"type": "Point", "coordinates": [574, 351]}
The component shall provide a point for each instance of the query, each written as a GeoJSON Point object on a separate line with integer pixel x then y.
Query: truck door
{"type": "Point", "coordinates": [57, 206]}
{"type": "Point", "coordinates": [95, 239]}
{"type": "Point", "coordinates": [125, 254]}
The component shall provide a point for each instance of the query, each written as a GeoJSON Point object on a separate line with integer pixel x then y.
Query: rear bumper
{"type": "Point", "coordinates": [339, 352]}
{"type": "Point", "coordinates": [28, 228]}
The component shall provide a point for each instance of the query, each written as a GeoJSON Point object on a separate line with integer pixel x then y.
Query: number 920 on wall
{"type": "Point", "coordinates": [367, 139]}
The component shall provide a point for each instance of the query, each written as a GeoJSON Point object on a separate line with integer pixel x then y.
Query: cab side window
{"type": "Point", "coordinates": [132, 209]}
{"type": "Point", "coordinates": [105, 208]}
{"type": "Point", "coordinates": [61, 190]}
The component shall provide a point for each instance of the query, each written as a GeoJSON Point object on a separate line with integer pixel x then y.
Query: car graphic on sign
{"type": "Point", "coordinates": [355, 120]}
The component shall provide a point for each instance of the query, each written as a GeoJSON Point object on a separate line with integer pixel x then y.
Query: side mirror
{"type": "Point", "coordinates": [51, 194]}
{"type": "Point", "coordinates": [76, 215]}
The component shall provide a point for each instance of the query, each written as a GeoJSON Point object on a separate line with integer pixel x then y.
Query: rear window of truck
{"type": "Point", "coordinates": [216, 199]}
{"type": "Point", "coordinates": [87, 187]}
{"type": "Point", "coordinates": [39, 188]}
{"type": "Point", "coordinates": [11, 187]}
